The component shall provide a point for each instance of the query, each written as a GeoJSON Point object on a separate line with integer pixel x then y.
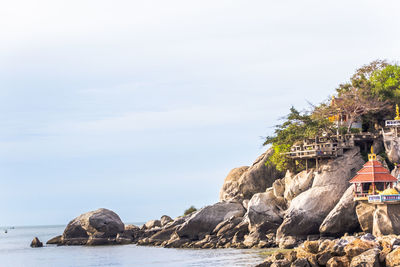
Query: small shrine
{"type": "Point", "coordinates": [374, 183]}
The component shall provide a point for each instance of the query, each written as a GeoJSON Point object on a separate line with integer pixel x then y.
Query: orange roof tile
{"type": "Point", "coordinates": [373, 171]}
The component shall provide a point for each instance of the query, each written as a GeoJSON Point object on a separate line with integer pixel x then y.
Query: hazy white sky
{"type": "Point", "coordinates": [143, 107]}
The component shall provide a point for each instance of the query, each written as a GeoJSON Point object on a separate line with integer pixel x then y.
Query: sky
{"type": "Point", "coordinates": [143, 107]}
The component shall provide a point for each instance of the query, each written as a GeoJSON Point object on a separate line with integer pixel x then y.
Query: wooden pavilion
{"type": "Point", "coordinates": [374, 182]}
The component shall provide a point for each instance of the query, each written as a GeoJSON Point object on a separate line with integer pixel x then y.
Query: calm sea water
{"type": "Point", "coordinates": [15, 252]}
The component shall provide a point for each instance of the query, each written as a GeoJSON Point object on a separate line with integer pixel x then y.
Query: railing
{"type": "Point", "coordinates": [311, 153]}
{"type": "Point", "coordinates": [383, 198]}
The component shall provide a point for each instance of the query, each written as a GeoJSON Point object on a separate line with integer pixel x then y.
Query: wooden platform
{"type": "Point", "coordinates": [329, 146]}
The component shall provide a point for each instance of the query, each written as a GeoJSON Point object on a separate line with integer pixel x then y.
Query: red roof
{"type": "Point", "coordinates": [373, 171]}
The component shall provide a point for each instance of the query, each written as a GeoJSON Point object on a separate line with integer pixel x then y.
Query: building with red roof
{"type": "Point", "coordinates": [372, 179]}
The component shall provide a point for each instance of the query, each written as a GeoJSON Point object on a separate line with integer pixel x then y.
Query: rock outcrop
{"type": "Point", "coordinates": [206, 219]}
{"type": "Point", "coordinates": [231, 182]}
{"type": "Point", "coordinates": [365, 215]}
{"type": "Point", "coordinates": [393, 258]}
{"type": "Point", "coordinates": [99, 227]}
{"type": "Point", "coordinates": [242, 183]}
{"type": "Point", "coordinates": [261, 208]}
{"type": "Point", "coordinates": [297, 184]}
{"type": "Point", "coordinates": [36, 243]}
{"type": "Point", "coordinates": [383, 219]}
{"type": "Point", "coordinates": [386, 220]}
{"type": "Point", "coordinates": [392, 146]}
{"type": "Point", "coordinates": [342, 218]}
{"type": "Point", "coordinates": [165, 219]}
{"type": "Point", "coordinates": [55, 240]}
{"type": "Point", "coordinates": [308, 210]}
{"type": "Point", "coordinates": [265, 211]}
{"type": "Point", "coordinates": [152, 223]}
{"type": "Point", "coordinates": [346, 251]}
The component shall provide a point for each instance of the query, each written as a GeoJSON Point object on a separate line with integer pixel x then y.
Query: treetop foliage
{"type": "Point", "coordinates": [370, 94]}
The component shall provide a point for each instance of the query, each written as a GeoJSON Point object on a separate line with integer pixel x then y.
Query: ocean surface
{"type": "Point", "coordinates": [16, 252]}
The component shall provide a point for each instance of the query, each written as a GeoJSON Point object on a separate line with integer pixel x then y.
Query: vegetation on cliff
{"type": "Point", "coordinates": [190, 210]}
{"type": "Point", "coordinates": [369, 95]}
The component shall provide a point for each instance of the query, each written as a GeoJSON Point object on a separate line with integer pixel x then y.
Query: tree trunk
{"type": "Point", "coordinates": [350, 124]}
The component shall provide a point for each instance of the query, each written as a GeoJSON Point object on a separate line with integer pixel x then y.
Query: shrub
{"type": "Point", "coordinates": [190, 210]}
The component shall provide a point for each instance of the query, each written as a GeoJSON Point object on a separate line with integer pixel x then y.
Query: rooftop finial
{"type": "Point", "coordinates": [397, 113]}
{"type": "Point", "coordinates": [372, 156]}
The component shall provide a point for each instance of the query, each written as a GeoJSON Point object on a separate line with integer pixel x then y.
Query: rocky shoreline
{"type": "Point", "coordinates": [365, 250]}
{"type": "Point", "coordinates": [261, 207]}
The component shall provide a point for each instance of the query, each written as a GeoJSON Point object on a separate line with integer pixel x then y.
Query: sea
{"type": "Point", "coordinates": [15, 251]}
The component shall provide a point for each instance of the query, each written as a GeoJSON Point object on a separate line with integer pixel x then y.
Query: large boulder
{"type": "Point", "coordinates": [231, 182]}
{"type": "Point", "coordinates": [297, 184]}
{"type": "Point", "coordinates": [93, 228]}
{"type": "Point", "coordinates": [203, 221]}
{"type": "Point", "coordinates": [130, 233]}
{"type": "Point", "coordinates": [358, 246]}
{"type": "Point", "coordinates": [393, 258]}
{"type": "Point", "coordinates": [308, 210]}
{"type": "Point", "coordinates": [369, 258]}
{"type": "Point", "coordinates": [265, 210]}
{"type": "Point", "coordinates": [386, 220]}
{"type": "Point", "coordinates": [243, 183]}
{"type": "Point", "coordinates": [152, 224]}
{"type": "Point", "coordinates": [365, 216]}
{"type": "Point", "coordinates": [392, 146]}
{"type": "Point", "coordinates": [278, 187]}
{"type": "Point", "coordinates": [343, 218]}
{"type": "Point", "coordinates": [165, 219]}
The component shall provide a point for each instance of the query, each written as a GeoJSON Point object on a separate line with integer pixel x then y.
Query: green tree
{"type": "Point", "coordinates": [370, 94]}
{"type": "Point", "coordinates": [385, 83]}
{"type": "Point", "coordinates": [297, 127]}
{"type": "Point", "coordinates": [361, 79]}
